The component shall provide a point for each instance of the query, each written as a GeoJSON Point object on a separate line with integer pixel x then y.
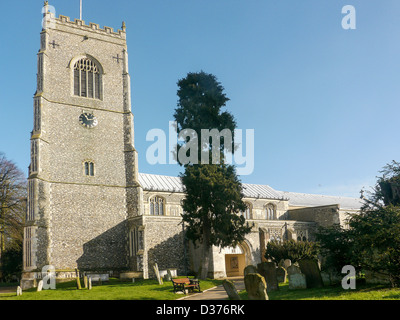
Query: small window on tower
{"type": "Point", "coordinates": [89, 169]}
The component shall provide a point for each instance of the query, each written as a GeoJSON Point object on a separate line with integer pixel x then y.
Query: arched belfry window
{"type": "Point", "coordinates": [87, 79]}
{"type": "Point", "coordinates": [157, 206]}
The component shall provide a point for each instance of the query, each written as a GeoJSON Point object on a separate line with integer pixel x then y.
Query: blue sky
{"type": "Point", "coordinates": [323, 101]}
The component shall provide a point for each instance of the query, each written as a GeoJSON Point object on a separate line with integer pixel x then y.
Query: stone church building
{"type": "Point", "coordinates": [88, 206]}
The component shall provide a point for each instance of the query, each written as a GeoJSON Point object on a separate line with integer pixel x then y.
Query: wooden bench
{"type": "Point", "coordinates": [182, 284]}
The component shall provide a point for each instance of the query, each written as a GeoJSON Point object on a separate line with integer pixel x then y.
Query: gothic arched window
{"type": "Point", "coordinates": [270, 212]}
{"type": "Point", "coordinates": [87, 79]}
{"type": "Point", "coordinates": [157, 206]}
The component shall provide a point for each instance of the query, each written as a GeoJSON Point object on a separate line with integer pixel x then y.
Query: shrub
{"type": "Point", "coordinates": [290, 249]}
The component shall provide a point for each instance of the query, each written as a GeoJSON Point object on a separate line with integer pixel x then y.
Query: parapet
{"type": "Point", "coordinates": [80, 24]}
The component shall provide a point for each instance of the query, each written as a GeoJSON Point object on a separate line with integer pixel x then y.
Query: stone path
{"type": "Point", "coordinates": [216, 293]}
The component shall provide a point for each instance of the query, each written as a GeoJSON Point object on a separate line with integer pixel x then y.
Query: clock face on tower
{"type": "Point", "coordinates": [88, 120]}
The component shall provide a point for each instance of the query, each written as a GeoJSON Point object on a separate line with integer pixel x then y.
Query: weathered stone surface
{"type": "Point", "coordinates": [231, 290]}
{"type": "Point", "coordinates": [281, 274]}
{"type": "Point", "coordinates": [313, 275]}
{"type": "Point", "coordinates": [297, 280]}
{"type": "Point", "coordinates": [256, 286]}
{"type": "Point", "coordinates": [156, 271]}
{"type": "Point", "coordinates": [293, 270]}
{"type": "Point", "coordinates": [40, 286]}
{"type": "Point", "coordinates": [19, 291]}
{"type": "Point", "coordinates": [250, 269]}
{"type": "Point", "coordinates": [268, 271]}
{"type": "Point", "coordinates": [287, 263]}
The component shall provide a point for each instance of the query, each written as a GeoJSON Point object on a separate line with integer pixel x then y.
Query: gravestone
{"type": "Point", "coordinates": [231, 290]}
{"type": "Point", "coordinates": [85, 281]}
{"type": "Point", "coordinates": [311, 270]}
{"type": "Point", "coordinates": [169, 274]}
{"type": "Point", "coordinates": [90, 283]}
{"type": "Point", "coordinates": [287, 263]}
{"type": "Point", "coordinates": [40, 286]}
{"type": "Point", "coordinates": [250, 269]}
{"type": "Point", "coordinates": [326, 278]}
{"type": "Point", "coordinates": [268, 271]}
{"type": "Point", "coordinates": [19, 291]}
{"type": "Point", "coordinates": [157, 272]}
{"type": "Point", "coordinates": [256, 287]}
{"type": "Point", "coordinates": [281, 274]}
{"type": "Point", "coordinates": [297, 280]}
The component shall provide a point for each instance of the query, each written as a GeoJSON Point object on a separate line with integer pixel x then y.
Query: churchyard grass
{"type": "Point", "coordinates": [113, 290]}
{"type": "Point", "coordinates": [362, 292]}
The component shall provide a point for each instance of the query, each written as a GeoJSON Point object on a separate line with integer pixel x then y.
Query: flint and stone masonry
{"type": "Point", "coordinates": [89, 210]}
{"type": "Point", "coordinates": [79, 219]}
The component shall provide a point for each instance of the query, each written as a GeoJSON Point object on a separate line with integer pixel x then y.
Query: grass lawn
{"type": "Point", "coordinates": [113, 290]}
{"type": "Point", "coordinates": [151, 290]}
{"type": "Point", "coordinates": [362, 292]}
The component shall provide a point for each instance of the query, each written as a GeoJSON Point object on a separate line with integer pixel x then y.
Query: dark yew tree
{"type": "Point", "coordinates": [213, 192]}
{"type": "Point", "coordinates": [372, 240]}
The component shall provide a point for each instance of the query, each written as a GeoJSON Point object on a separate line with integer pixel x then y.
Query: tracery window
{"type": "Point", "coordinates": [302, 235]}
{"type": "Point", "coordinates": [270, 212]}
{"type": "Point", "coordinates": [157, 206]}
{"type": "Point", "coordinates": [87, 79]}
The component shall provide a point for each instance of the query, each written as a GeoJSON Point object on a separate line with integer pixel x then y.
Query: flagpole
{"type": "Point", "coordinates": [80, 10]}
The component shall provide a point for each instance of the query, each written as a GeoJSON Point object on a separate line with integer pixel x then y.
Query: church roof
{"type": "Point", "coordinates": [315, 200]}
{"type": "Point", "coordinates": [161, 183]}
{"type": "Point", "coordinates": [153, 182]}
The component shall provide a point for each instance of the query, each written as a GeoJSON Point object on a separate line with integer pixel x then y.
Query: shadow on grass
{"type": "Point", "coordinates": [363, 292]}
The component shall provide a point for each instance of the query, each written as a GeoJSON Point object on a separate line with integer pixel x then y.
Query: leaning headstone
{"type": "Point", "coordinates": [311, 270]}
{"type": "Point", "coordinates": [297, 280]}
{"type": "Point", "coordinates": [256, 286]}
{"type": "Point", "coordinates": [250, 269]}
{"type": "Point", "coordinates": [157, 272]}
{"type": "Point", "coordinates": [231, 290]}
{"type": "Point", "coordinates": [19, 291]}
{"type": "Point", "coordinates": [268, 271]}
{"type": "Point", "coordinates": [281, 274]}
{"type": "Point", "coordinates": [40, 286]}
{"type": "Point", "coordinates": [78, 280]}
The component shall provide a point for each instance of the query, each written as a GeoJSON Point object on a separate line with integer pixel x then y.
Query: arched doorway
{"type": "Point", "coordinates": [235, 260]}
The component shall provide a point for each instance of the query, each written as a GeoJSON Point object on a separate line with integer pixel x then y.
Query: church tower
{"type": "Point", "coordinates": [83, 177]}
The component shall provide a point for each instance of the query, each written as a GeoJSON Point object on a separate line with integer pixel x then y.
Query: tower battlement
{"type": "Point", "coordinates": [77, 23]}
{"type": "Point", "coordinates": [51, 21]}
